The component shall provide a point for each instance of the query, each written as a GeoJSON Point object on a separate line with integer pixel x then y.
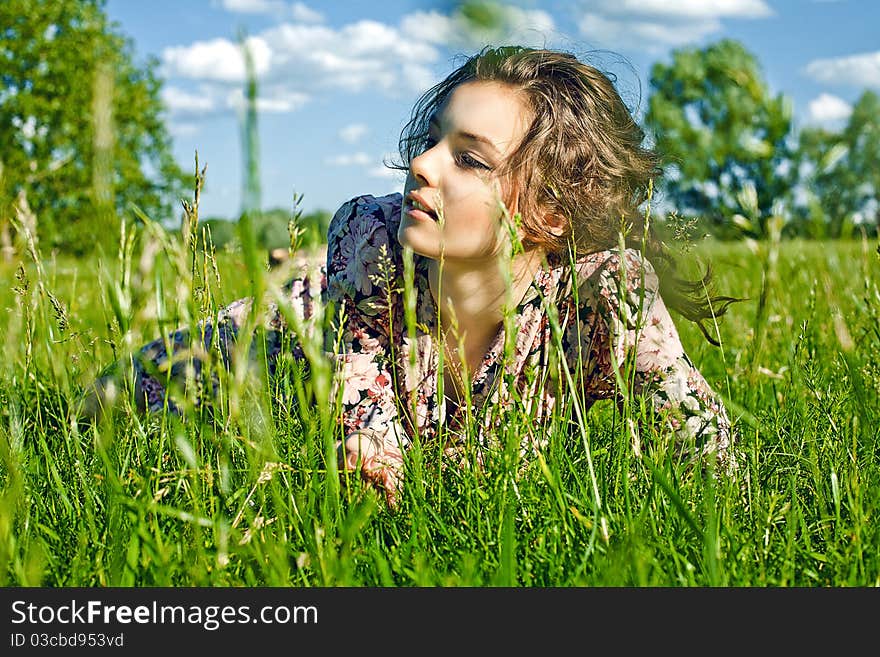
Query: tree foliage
{"type": "Point", "coordinates": [271, 229]}
{"type": "Point", "coordinates": [721, 133]}
{"type": "Point", "coordinates": [81, 128]}
{"type": "Point", "coordinates": [841, 172]}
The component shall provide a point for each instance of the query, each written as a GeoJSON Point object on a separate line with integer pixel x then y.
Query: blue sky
{"type": "Point", "coordinates": [338, 78]}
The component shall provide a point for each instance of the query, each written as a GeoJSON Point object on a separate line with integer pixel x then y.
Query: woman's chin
{"type": "Point", "coordinates": [414, 237]}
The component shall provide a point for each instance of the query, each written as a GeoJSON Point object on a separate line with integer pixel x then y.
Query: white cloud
{"type": "Point", "coordinates": [274, 100]}
{"type": "Point", "coordinates": [381, 171]}
{"type": "Point", "coordinates": [179, 102]}
{"type": "Point", "coordinates": [362, 55]}
{"type": "Point", "coordinates": [690, 9]}
{"type": "Point", "coordinates": [213, 98]}
{"type": "Point", "coordinates": [252, 6]}
{"type": "Point", "coordinates": [430, 26]}
{"type": "Point", "coordinates": [656, 25]}
{"type": "Point", "coordinates": [349, 159]}
{"type": "Point", "coordinates": [859, 70]}
{"type": "Point", "coordinates": [373, 167]}
{"type": "Point", "coordinates": [644, 35]}
{"type": "Point", "coordinates": [826, 108]}
{"type": "Point", "coordinates": [353, 132]}
{"type": "Point", "coordinates": [297, 60]}
{"type": "Point", "coordinates": [418, 77]}
{"type": "Point", "coordinates": [298, 10]}
{"type": "Point", "coordinates": [369, 37]}
{"type": "Point", "coordinates": [183, 129]}
{"type": "Point", "coordinates": [527, 27]}
{"type": "Point", "coordinates": [219, 59]}
{"type": "Point", "coordinates": [387, 173]}
{"type": "Point", "coordinates": [305, 14]}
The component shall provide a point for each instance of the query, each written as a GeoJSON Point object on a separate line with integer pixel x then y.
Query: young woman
{"type": "Point", "coordinates": [523, 168]}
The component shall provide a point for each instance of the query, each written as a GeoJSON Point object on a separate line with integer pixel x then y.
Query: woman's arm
{"type": "Point", "coordinates": [358, 249]}
{"type": "Point", "coordinates": [358, 261]}
{"type": "Point", "coordinates": [162, 371]}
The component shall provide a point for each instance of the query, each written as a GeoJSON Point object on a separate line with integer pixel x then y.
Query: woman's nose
{"type": "Point", "coordinates": [423, 168]}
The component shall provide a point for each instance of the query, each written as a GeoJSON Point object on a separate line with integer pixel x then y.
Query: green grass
{"type": "Point", "coordinates": [251, 498]}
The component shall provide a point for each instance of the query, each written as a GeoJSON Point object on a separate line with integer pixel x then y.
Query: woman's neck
{"type": "Point", "coordinates": [472, 298]}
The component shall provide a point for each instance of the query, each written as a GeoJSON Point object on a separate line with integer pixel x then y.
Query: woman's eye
{"type": "Point", "coordinates": [469, 162]}
{"type": "Point", "coordinates": [464, 160]}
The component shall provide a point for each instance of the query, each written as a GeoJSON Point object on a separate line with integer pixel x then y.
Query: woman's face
{"type": "Point", "coordinates": [452, 198]}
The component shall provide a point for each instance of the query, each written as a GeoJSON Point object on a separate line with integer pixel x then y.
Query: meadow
{"type": "Point", "coordinates": [250, 496]}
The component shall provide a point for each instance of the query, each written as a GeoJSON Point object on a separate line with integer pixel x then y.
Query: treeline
{"type": "Point", "coordinates": [83, 143]}
{"type": "Point", "coordinates": [272, 229]}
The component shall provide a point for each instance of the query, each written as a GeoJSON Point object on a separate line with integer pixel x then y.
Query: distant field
{"type": "Point", "coordinates": [246, 500]}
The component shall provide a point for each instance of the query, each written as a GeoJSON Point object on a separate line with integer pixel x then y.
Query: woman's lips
{"type": "Point", "coordinates": [415, 213]}
{"type": "Point", "coordinates": [416, 207]}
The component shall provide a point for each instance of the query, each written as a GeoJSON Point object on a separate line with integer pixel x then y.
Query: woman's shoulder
{"type": "Point", "coordinates": [612, 261]}
{"type": "Point", "coordinates": [376, 212]}
{"type": "Point", "coordinates": [605, 271]}
{"type": "Point", "coordinates": [361, 242]}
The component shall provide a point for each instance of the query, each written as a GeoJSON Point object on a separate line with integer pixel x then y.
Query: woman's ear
{"type": "Point", "coordinates": [555, 223]}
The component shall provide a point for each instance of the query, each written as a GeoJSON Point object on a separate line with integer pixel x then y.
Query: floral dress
{"type": "Point", "coordinates": [587, 326]}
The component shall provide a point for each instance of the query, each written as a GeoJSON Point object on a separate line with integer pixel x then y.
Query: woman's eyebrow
{"type": "Point", "coordinates": [435, 123]}
{"type": "Point", "coordinates": [481, 139]}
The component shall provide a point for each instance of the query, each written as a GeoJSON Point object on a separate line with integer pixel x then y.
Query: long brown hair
{"type": "Point", "coordinates": [582, 159]}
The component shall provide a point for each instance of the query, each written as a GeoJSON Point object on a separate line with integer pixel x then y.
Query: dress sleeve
{"type": "Point", "coordinates": [627, 322]}
{"type": "Point", "coordinates": [168, 370]}
{"type": "Point", "coordinates": [360, 267]}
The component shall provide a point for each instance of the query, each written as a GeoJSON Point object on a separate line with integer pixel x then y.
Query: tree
{"type": "Point", "coordinates": [721, 133]}
{"type": "Point", "coordinates": [826, 188]}
{"type": "Point", "coordinates": [841, 172]}
{"type": "Point", "coordinates": [862, 138]}
{"type": "Point", "coordinates": [81, 129]}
